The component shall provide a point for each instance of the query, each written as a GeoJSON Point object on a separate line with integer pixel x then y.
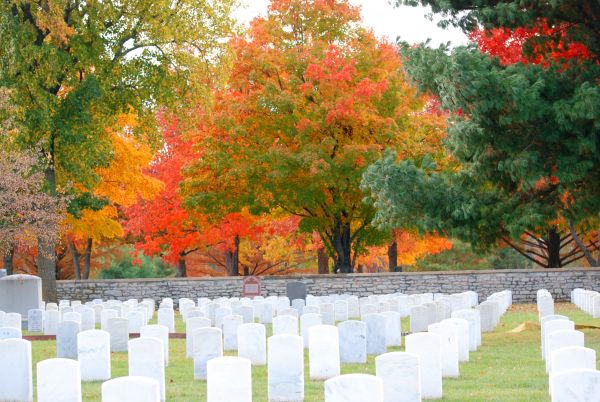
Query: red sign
{"type": "Point", "coordinates": [251, 286]}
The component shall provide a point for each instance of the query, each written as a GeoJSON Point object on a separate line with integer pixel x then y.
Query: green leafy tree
{"type": "Point", "coordinates": [72, 67]}
{"type": "Point", "coordinates": [525, 135]}
{"type": "Point", "coordinates": [142, 267]}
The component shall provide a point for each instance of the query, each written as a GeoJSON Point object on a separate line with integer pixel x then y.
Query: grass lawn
{"type": "Point", "coordinates": [507, 367]}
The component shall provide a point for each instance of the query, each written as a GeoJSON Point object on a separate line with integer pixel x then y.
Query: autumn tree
{"type": "Point", "coordinates": [522, 123]}
{"type": "Point", "coordinates": [313, 98]}
{"type": "Point", "coordinates": [72, 67]}
{"type": "Point", "coordinates": [121, 184]}
{"type": "Point", "coordinates": [26, 211]}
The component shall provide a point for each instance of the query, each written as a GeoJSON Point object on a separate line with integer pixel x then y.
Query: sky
{"type": "Point", "coordinates": [409, 23]}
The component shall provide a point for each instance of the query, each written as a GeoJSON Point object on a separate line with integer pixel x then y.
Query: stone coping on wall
{"type": "Point", "coordinates": [335, 276]}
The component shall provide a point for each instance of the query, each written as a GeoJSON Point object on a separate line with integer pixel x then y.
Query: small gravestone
{"type": "Point", "coordinates": [376, 333]}
{"type": "Point", "coordinates": [399, 372]}
{"type": "Point", "coordinates": [35, 320]}
{"type": "Point", "coordinates": [20, 293]}
{"type": "Point", "coordinates": [307, 321]}
{"type": "Point", "coordinates": [230, 326]}
{"type": "Point", "coordinates": [296, 290]}
{"type": "Point", "coordinates": [3, 273]}
{"type": "Point", "coordinates": [251, 342]}
{"type": "Point", "coordinates": [166, 317]}
{"type": "Point", "coordinates": [251, 286]}
{"type": "Point", "coordinates": [192, 325]}
{"type": "Point", "coordinates": [323, 352]}
{"type": "Point", "coordinates": [219, 386]}
{"type": "Point", "coordinates": [118, 328]}
{"type": "Point", "coordinates": [428, 347]}
{"type": "Point", "coordinates": [285, 324]}
{"type": "Point", "coordinates": [208, 344]}
{"type": "Point", "coordinates": [131, 389]}
{"type": "Point", "coordinates": [353, 388]}
{"type": "Point", "coordinates": [160, 332]}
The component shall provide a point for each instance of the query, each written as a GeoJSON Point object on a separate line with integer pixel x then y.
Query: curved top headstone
{"type": "Point", "coordinates": [296, 290]}
{"type": "Point", "coordinates": [20, 293]}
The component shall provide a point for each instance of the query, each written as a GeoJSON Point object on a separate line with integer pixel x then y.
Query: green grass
{"type": "Point", "coordinates": [507, 367]}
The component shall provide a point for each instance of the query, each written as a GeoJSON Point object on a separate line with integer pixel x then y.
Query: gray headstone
{"type": "Point", "coordinates": [20, 293]}
{"type": "Point", "coordinates": [35, 320]}
{"type": "Point", "coordinates": [66, 339]}
{"type": "Point", "coordinates": [296, 290]}
{"type": "Point", "coordinates": [2, 273]}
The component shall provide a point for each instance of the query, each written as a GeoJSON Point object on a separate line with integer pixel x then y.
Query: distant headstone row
{"type": "Point", "coordinates": [570, 365]}
{"type": "Point", "coordinates": [336, 329]}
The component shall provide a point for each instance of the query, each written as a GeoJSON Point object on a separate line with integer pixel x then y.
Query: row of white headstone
{"type": "Point", "coordinates": [436, 352]}
{"type": "Point", "coordinates": [570, 365]}
{"type": "Point", "coordinates": [587, 300]}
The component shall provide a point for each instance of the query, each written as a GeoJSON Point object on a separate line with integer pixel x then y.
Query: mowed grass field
{"type": "Point", "coordinates": [507, 367]}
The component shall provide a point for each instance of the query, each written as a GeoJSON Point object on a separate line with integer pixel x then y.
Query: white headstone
{"type": "Point", "coordinates": [118, 328]}
{"type": "Point", "coordinates": [166, 317]}
{"type": "Point", "coordinates": [324, 352]}
{"type": "Point", "coordinates": [230, 327]}
{"type": "Point", "coordinates": [553, 326]}
{"type": "Point", "coordinates": [428, 347]}
{"type": "Point", "coordinates": [35, 320]}
{"type": "Point", "coordinates": [376, 333]}
{"type": "Point", "coordinates": [160, 332]}
{"type": "Point", "coordinates": [354, 388]}
{"type": "Point", "coordinates": [474, 319]}
{"type": "Point", "coordinates": [285, 368]}
{"type": "Point", "coordinates": [307, 321]}
{"type": "Point", "coordinates": [251, 342]}
{"type": "Point", "coordinates": [353, 341]}
{"type": "Point", "coordinates": [58, 380]}
{"type": "Point", "coordinates": [13, 320]}
{"type": "Point", "coordinates": [561, 339]}
{"type": "Point", "coordinates": [131, 389]}
{"type": "Point", "coordinates": [20, 293]}
{"type": "Point", "coordinates": [399, 372]}
{"type": "Point", "coordinates": [190, 326]}
{"type": "Point", "coordinates": [146, 359]}
{"type": "Point", "coordinates": [88, 319]}
{"type": "Point", "coordinates": [285, 324]}
{"type": "Point", "coordinates": [208, 344]}
{"type": "Point", "coordinates": [449, 337]}
{"type": "Point", "coordinates": [340, 310]}
{"type": "Point", "coordinates": [581, 385]}
{"type": "Point", "coordinates": [72, 316]}
{"type": "Point", "coordinates": [66, 339]}
{"type": "Point", "coordinates": [393, 333]}
{"type": "Point", "coordinates": [10, 333]}
{"type": "Point", "coordinates": [573, 357]}
{"type": "Point", "coordinates": [418, 319]}
{"type": "Point", "coordinates": [136, 321]}
{"type": "Point", "coordinates": [219, 386]}
{"type": "Point", "coordinates": [266, 313]}
{"type": "Point", "coordinates": [15, 365]}
{"type": "Point", "coordinates": [93, 350]}
{"type": "Point", "coordinates": [105, 315]}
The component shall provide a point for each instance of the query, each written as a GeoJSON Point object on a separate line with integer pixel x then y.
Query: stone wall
{"type": "Point", "coordinates": [524, 284]}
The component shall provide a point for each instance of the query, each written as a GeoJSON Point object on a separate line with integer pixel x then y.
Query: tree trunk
{"type": "Point", "coordinates": [323, 260]}
{"type": "Point", "coordinates": [246, 271]}
{"type": "Point", "coordinates": [87, 258]}
{"type": "Point", "coordinates": [342, 244]}
{"type": "Point", "coordinates": [8, 260]}
{"type": "Point", "coordinates": [75, 254]}
{"type": "Point", "coordinates": [181, 271]}
{"type": "Point", "coordinates": [553, 241]}
{"type": "Point", "coordinates": [46, 260]}
{"type": "Point", "coordinates": [392, 253]}
{"type": "Point", "coordinates": [46, 264]}
{"type": "Point", "coordinates": [232, 258]}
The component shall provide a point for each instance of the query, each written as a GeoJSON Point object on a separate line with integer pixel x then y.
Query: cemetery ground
{"type": "Point", "coordinates": [507, 367]}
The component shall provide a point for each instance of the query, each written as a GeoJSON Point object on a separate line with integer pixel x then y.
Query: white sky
{"type": "Point", "coordinates": [409, 23]}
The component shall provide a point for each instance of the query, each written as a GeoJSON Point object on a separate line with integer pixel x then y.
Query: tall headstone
{"type": "Point", "coordinates": [251, 343]}
{"type": "Point", "coordinates": [428, 347]}
{"type": "Point", "coordinates": [166, 317]}
{"type": "Point", "coordinates": [219, 386]}
{"type": "Point", "coordinates": [16, 382]}
{"type": "Point", "coordinates": [576, 385]}
{"type": "Point", "coordinates": [324, 352]}
{"type": "Point", "coordinates": [208, 344]}
{"type": "Point", "coordinates": [353, 341]}
{"type": "Point", "coordinates": [190, 326]}
{"type": "Point", "coordinates": [118, 328]}
{"type": "Point", "coordinates": [93, 350]}
{"type": "Point", "coordinates": [160, 332]}
{"type": "Point", "coordinates": [20, 293]}
{"type": "Point", "coordinates": [66, 339]}
{"type": "Point", "coordinates": [51, 320]}
{"type": "Point", "coordinates": [58, 380]}
{"type": "Point", "coordinates": [285, 368]}
{"type": "Point", "coordinates": [296, 290]}
{"type": "Point", "coordinates": [376, 333]}
{"type": "Point", "coordinates": [307, 321]}
{"type": "Point", "coordinates": [146, 359]}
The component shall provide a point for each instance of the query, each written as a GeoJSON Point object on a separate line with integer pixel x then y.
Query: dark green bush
{"type": "Point", "coordinates": [148, 267]}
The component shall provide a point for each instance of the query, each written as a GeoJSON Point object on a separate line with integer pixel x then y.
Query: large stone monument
{"type": "Point", "coordinates": [20, 293]}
